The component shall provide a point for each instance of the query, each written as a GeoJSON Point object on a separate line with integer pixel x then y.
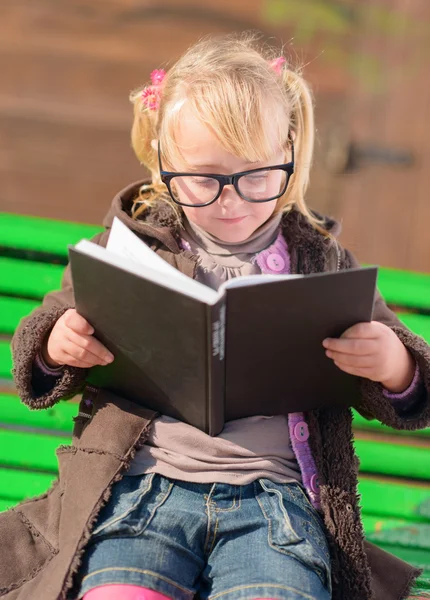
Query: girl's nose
{"type": "Point", "coordinates": [229, 196]}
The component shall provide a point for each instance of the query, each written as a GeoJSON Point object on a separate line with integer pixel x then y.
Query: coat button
{"type": "Point", "coordinates": [275, 262]}
{"type": "Point", "coordinates": [315, 484]}
{"type": "Point", "coordinates": [301, 431]}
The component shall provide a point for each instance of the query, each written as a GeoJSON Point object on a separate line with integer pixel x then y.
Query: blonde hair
{"type": "Point", "coordinates": [229, 84]}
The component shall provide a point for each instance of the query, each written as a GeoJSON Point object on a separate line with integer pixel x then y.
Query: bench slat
{"type": "Point", "coordinates": [58, 417]}
{"type": "Point", "coordinates": [12, 310]}
{"type": "Point", "coordinates": [6, 504]}
{"type": "Point", "coordinates": [18, 485]}
{"type": "Point", "coordinates": [397, 459]}
{"type": "Point", "coordinates": [399, 499]}
{"type": "Point", "coordinates": [404, 288]}
{"type": "Point", "coordinates": [28, 279]}
{"type": "Point", "coordinates": [419, 324]}
{"type": "Point", "coordinates": [30, 451]}
{"type": "Point", "coordinates": [409, 534]}
{"type": "Point", "coordinates": [361, 423]}
{"type": "Point", "coordinates": [42, 235]}
{"type": "Point", "coordinates": [5, 360]}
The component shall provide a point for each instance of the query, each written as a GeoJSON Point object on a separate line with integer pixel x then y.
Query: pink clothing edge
{"type": "Point", "coordinates": [409, 390]}
{"type": "Point", "coordinates": [120, 591]}
{"type": "Point", "coordinates": [117, 591]}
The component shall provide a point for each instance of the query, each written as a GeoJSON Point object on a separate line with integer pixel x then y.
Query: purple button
{"type": "Point", "coordinates": [275, 262]}
{"type": "Point", "coordinates": [315, 484]}
{"type": "Point", "coordinates": [301, 431]}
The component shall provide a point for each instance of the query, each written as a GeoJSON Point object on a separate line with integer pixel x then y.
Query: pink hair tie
{"type": "Point", "coordinates": [276, 64]}
{"type": "Point", "coordinates": [151, 94]}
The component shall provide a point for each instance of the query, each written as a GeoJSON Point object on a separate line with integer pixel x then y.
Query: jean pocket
{"type": "Point", "coordinates": [294, 526]}
{"type": "Point", "coordinates": [132, 505]}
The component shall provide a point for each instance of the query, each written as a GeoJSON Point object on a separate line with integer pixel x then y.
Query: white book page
{"type": "Point", "coordinates": [186, 286]}
{"type": "Point", "coordinates": [127, 251]}
{"type": "Point", "coordinates": [124, 242]}
{"type": "Point", "coordinates": [248, 280]}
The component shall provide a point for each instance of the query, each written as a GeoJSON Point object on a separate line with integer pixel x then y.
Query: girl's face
{"type": "Point", "coordinates": [229, 218]}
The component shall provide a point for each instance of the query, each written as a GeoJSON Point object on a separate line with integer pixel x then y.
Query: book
{"type": "Point", "coordinates": [205, 356]}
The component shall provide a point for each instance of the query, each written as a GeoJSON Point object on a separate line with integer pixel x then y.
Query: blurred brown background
{"type": "Point", "coordinates": [68, 67]}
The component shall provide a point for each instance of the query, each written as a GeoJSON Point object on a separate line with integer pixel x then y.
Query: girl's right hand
{"type": "Point", "coordinates": [71, 343]}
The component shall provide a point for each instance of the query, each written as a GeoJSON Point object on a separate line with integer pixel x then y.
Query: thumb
{"type": "Point", "coordinates": [359, 330]}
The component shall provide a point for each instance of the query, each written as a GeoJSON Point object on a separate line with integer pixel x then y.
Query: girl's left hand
{"type": "Point", "coordinates": [374, 351]}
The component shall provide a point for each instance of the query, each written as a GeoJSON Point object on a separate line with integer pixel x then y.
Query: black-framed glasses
{"type": "Point", "coordinates": [202, 189]}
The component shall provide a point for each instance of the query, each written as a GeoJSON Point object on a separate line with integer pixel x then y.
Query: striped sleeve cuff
{"type": "Point", "coordinates": [406, 399]}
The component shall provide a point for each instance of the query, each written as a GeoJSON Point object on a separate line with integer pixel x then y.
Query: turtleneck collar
{"type": "Point", "coordinates": [260, 239]}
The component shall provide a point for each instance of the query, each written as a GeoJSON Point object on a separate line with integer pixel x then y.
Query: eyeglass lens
{"type": "Point", "coordinates": [257, 187]}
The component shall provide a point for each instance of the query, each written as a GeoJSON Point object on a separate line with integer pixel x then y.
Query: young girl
{"type": "Point", "coordinates": [148, 507]}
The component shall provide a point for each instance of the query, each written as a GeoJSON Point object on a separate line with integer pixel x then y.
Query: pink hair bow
{"type": "Point", "coordinates": [151, 94]}
{"type": "Point", "coordinates": [276, 64]}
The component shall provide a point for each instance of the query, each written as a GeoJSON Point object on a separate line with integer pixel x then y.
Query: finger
{"type": "Point", "coordinates": [362, 347]}
{"type": "Point", "coordinates": [73, 361]}
{"type": "Point", "coordinates": [354, 371]}
{"type": "Point", "coordinates": [362, 330]}
{"type": "Point", "coordinates": [90, 346]}
{"type": "Point", "coordinates": [352, 360]}
{"type": "Point", "coordinates": [78, 324]}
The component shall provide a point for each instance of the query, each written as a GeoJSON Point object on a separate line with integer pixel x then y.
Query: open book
{"type": "Point", "coordinates": [204, 356]}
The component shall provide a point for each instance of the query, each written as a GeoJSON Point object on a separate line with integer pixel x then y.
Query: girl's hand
{"type": "Point", "coordinates": [71, 343]}
{"type": "Point", "coordinates": [374, 351]}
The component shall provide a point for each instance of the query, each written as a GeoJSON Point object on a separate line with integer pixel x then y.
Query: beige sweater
{"type": "Point", "coordinates": [246, 449]}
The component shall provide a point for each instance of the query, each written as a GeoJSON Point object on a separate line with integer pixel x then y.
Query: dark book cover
{"type": "Point", "coordinates": [275, 360]}
{"type": "Point", "coordinates": [258, 350]}
{"type": "Point", "coordinates": [166, 345]}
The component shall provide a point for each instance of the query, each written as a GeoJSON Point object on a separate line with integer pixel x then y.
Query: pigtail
{"type": "Point", "coordinates": [143, 131]}
{"type": "Point", "coordinates": [303, 133]}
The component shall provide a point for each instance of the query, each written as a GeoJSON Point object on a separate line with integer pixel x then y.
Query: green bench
{"type": "Point", "coordinates": [394, 481]}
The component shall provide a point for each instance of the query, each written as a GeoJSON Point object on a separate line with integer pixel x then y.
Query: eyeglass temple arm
{"type": "Point", "coordinates": [159, 155]}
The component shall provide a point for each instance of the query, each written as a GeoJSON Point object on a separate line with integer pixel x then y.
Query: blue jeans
{"type": "Point", "coordinates": [216, 540]}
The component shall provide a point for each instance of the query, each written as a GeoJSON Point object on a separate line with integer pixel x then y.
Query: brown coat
{"type": "Point", "coordinates": [42, 540]}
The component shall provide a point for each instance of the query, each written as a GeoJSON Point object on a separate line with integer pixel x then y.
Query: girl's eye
{"type": "Point", "coordinates": [259, 177]}
{"type": "Point", "coordinates": [204, 181]}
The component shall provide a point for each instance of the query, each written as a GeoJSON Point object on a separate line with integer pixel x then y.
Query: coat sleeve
{"type": "Point", "coordinates": [34, 387]}
{"type": "Point", "coordinates": [375, 403]}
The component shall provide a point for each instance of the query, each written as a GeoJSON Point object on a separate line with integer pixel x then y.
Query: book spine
{"type": "Point", "coordinates": [216, 367]}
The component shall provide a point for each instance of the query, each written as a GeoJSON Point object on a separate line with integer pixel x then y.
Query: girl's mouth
{"type": "Point", "coordinates": [235, 220]}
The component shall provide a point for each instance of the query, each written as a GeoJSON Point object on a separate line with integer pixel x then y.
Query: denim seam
{"type": "Point", "coordinates": [143, 572]}
{"type": "Point", "coordinates": [270, 534]}
{"type": "Point", "coordinates": [156, 507]}
{"type": "Point", "coordinates": [214, 535]}
{"type": "Point", "coordinates": [209, 505]}
{"type": "Point", "coordinates": [151, 516]}
{"type": "Point", "coordinates": [287, 519]}
{"type": "Point", "coordinates": [147, 487]}
{"type": "Point", "coordinates": [234, 507]}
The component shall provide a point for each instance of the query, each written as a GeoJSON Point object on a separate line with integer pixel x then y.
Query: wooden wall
{"type": "Point", "coordinates": [385, 204]}
{"type": "Point", "coordinates": [67, 70]}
